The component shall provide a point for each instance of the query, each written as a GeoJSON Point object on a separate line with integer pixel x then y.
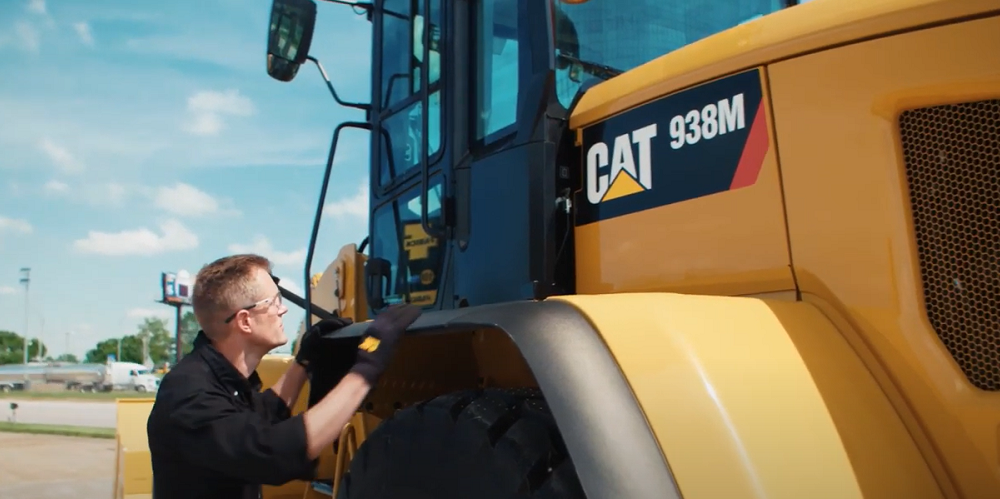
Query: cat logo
{"type": "Point", "coordinates": [369, 344]}
{"type": "Point", "coordinates": [708, 139]}
{"type": "Point", "coordinates": [627, 175]}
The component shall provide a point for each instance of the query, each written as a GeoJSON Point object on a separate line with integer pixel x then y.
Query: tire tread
{"type": "Point", "coordinates": [511, 431]}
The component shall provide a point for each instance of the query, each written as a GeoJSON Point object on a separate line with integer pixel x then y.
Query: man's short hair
{"type": "Point", "coordinates": [224, 286]}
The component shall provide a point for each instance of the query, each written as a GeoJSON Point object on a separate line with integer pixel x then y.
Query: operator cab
{"type": "Point", "coordinates": [474, 173]}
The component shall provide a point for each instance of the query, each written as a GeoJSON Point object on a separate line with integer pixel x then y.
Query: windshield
{"type": "Point", "coordinates": [600, 38]}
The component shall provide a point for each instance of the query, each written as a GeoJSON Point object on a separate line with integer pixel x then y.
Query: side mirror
{"type": "Point", "coordinates": [289, 37]}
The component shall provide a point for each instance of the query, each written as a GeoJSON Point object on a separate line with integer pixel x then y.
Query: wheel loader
{"type": "Point", "coordinates": [668, 249]}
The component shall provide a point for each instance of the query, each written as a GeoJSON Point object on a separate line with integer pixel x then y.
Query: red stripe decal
{"type": "Point", "coordinates": [754, 150]}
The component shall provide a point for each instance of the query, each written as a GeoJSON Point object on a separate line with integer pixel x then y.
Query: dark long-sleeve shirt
{"type": "Point", "coordinates": [213, 434]}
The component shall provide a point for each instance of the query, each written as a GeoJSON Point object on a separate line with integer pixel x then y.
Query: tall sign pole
{"type": "Point", "coordinates": [177, 334]}
{"type": "Point", "coordinates": [177, 288]}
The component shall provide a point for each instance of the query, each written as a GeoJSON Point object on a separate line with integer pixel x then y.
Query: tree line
{"type": "Point", "coordinates": [162, 347]}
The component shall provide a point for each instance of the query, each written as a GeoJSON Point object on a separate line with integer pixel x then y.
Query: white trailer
{"type": "Point", "coordinates": [83, 377]}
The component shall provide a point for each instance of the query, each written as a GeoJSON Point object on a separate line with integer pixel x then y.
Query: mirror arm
{"type": "Point", "coordinates": [333, 92]}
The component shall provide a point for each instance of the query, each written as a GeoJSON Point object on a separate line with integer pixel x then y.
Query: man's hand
{"type": "Point", "coordinates": [379, 342]}
{"type": "Point", "coordinates": [307, 345]}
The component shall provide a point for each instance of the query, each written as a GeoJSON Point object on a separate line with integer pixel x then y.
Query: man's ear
{"type": "Point", "coordinates": [242, 321]}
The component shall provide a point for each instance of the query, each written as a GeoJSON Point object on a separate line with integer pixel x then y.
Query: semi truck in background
{"type": "Point", "coordinates": [93, 377]}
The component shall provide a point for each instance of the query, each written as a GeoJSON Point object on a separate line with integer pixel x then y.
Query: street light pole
{"type": "Point", "coordinates": [26, 280]}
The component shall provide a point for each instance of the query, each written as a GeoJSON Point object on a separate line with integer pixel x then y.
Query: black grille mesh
{"type": "Point", "coordinates": [952, 156]}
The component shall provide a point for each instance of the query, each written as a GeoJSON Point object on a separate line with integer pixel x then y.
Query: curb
{"type": "Point", "coordinates": [66, 431]}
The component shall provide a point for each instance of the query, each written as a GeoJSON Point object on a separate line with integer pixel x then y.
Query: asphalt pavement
{"type": "Point", "coordinates": [59, 412]}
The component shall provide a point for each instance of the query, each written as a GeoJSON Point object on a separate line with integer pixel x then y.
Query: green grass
{"type": "Point", "coordinates": [51, 429]}
{"type": "Point", "coordinates": [71, 395]}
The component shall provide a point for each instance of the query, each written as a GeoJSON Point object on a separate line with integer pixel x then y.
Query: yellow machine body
{"type": "Point", "coordinates": [774, 337]}
{"type": "Point", "coordinates": [828, 221]}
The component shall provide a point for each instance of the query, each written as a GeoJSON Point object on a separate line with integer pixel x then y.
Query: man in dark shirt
{"type": "Point", "coordinates": [212, 433]}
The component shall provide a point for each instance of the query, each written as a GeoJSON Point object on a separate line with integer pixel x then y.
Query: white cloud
{"type": "Point", "coordinates": [83, 31]}
{"type": "Point", "coordinates": [174, 236]}
{"type": "Point", "coordinates": [262, 246]}
{"type": "Point", "coordinates": [14, 225]}
{"type": "Point", "coordinates": [60, 156]}
{"type": "Point", "coordinates": [36, 7]}
{"type": "Point", "coordinates": [56, 187]}
{"type": "Point", "coordinates": [116, 192]}
{"type": "Point", "coordinates": [207, 109]}
{"type": "Point", "coordinates": [9, 290]}
{"type": "Point", "coordinates": [186, 200]}
{"type": "Point", "coordinates": [356, 205]}
{"type": "Point", "coordinates": [25, 36]}
{"type": "Point", "coordinates": [142, 313]}
{"type": "Point", "coordinates": [179, 199]}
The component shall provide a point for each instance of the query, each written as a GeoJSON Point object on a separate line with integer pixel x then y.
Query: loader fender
{"type": "Point", "coordinates": [614, 452]}
{"type": "Point", "coordinates": [661, 395]}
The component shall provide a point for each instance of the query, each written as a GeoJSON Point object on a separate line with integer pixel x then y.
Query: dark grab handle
{"type": "Point", "coordinates": [301, 302]}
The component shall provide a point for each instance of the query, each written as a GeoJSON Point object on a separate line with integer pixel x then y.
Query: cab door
{"type": "Point", "coordinates": [406, 261]}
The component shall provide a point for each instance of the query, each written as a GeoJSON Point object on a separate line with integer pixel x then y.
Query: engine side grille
{"type": "Point", "coordinates": [952, 156]}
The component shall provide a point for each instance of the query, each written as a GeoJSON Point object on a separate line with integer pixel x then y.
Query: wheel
{"type": "Point", "coordinates": [140, 388]}
{"type": "Point", "coordinates": [5, 388]}
{"type": "Point", "coordinates": [483, 444]}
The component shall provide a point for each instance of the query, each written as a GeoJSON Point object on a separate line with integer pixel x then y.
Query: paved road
{"type": "Point", "coordinates": [55, 467]}
{"type": "Point", "coordinates": [76, 413]}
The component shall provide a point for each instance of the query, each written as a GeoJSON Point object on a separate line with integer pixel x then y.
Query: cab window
{"type": "Point", "coordinates": [402, 65]}
{"type": "Point", "coordinates": [496, 67]}
{"type": "Point", "coordinates": [600, 38]}
{"type": "Point", "coordinates": [414, 256]}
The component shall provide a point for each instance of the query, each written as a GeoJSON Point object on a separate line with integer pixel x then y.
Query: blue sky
{"type": "Point", "coordinates": [141, 137]}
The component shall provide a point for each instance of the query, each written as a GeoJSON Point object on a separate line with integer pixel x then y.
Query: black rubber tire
{"type": "Point", "coordinates": [482, 444]}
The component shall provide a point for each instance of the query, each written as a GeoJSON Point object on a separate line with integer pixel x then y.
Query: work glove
{"type": "Point", "coordinates": [308, 347]}
{"type": "Point", "coordinates": [379, 341]}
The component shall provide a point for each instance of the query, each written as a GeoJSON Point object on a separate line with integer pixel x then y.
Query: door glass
{"type": "Point", "coordinates": [399, 238]}
{"type": "Point", "coordinates": [496, 66]}
{"type": "Point", "coordinates": [401, 139]}
{"type": "Point", "coordinates": [402, 48]}
{"type": "Point", "coordinates": [402, 63]}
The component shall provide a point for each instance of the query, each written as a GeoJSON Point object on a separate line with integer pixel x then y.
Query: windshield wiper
{"type": "Point", "coordinates": [599, 70]}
